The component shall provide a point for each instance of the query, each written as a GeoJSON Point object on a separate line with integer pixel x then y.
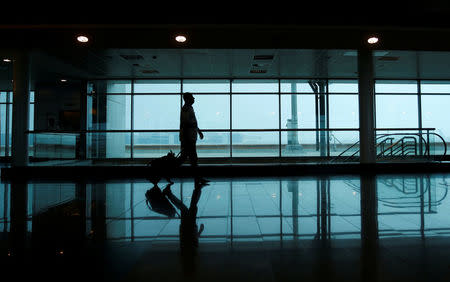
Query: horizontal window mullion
{"type": "Point", "coordinates": [437, 93]}
{"type": "Point", "coordinates": [394, 93]}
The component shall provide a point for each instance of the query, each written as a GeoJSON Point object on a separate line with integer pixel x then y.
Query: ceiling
{"type": "Point", "coordinates": [229, 63]}
{"type": "Point", "coordinates": [310, 42]}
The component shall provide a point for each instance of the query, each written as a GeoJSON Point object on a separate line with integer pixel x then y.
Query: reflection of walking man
{"type": "Point", "coordinates": [189, 131]}
{"type": "Point", "coordinates": [189, 231]}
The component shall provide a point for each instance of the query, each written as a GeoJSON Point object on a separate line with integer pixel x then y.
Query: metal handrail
{"type": "Point", "coordinates": [216, 130]}
{"type": "Point", "coordinates": [391, 134]}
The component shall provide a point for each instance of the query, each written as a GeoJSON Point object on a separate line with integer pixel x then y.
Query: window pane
{"type": "Point", "coordinates": [118, 86]}
{"type": "Point", "coordinates": [118, 108]}
{"type": "Point", "coordinates": [344, 111]}
{"type": "Point", "coordinates": [255, 86]}
{"type": "Point", "coordinates": [344, 143]}
{"type": "Point", "coordinates": [391, 86]}
{"type": "Point", "coordinates": [299, 144]}
{"type": "Point", "coordinates": [54, 145]}
{"type": "Point", "coordinates": [156, 112]}
{"type": "Point", "coordinates": [435, 115]}
{"type": "Point", "coordinates": [2, 129]}
{"type": "Point", "coordinates": [304, 112]}
{"type": "Point", "coordinates": [435, 87]}
{"type": "Point", "coordinates": [343, 86]}
{"type": "Point", "coordinates": [155, 144]}
{"type": "Point", "coordinates": [255, 111]}
{"type": "Point", "coordinates": [255, 144]}
{"type": "Point", "coordinates": [206, 86]}
{"type": "Point", "coordinates": [157, 86]}
{"type": "Point", "coordinates": [214, 144]}
{"type": "Point", "coordinates": [212, 111]}
{"type": "Point", "coordinates": [3, 97]}
{"type": "Point", "coordinates": [396, 111]}
{"type": "Point", "coordinates": [109, 145]}
{"type": "Point", "coordinates": [9, 129]}
{"type": "Point", "coordinates": [295, 86]}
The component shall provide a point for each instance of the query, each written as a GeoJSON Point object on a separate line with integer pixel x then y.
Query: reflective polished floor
{"type": "Point", "coordinates": [321, 228]}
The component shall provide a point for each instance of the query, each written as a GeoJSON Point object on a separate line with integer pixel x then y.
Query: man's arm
{"type": "Point", "coordinates": [200, 133]}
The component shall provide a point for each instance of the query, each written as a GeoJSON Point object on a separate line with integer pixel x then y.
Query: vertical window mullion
{"type": "Point", "coordinates": [132, 119]}
{"type": "Point", "coordinates": [279, 118]}
{"type": "Point", "coordinates": [327, 109]}
{"type": "Point", "coordinates": [181, 107]}
{"type": "Point", "coordinates": [419, 117]}
{"type": "Point", "coordinates": [231, 120]}
{"type": "Point", "coordinates": [132, 210]}
{"type": "Point", "coordinates": [7, 122]}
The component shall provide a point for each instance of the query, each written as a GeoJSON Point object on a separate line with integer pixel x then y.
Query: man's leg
{"type": "Point", "coordinates": [183, 155]}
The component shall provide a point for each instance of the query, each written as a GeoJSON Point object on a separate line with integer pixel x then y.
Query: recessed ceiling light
{"type": "Point", "coordinates": [7, 60]}
{"type": "Point", "coordinates": [63, 80]}
{"type": "Point", "coordinates": [82, 38]}
{"type": "Point", "coordinates": [180, 38]}
{"type": "Point", "coordinates": [372, 40]}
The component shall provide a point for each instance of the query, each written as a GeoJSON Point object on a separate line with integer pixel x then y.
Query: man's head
{"type": "Point", "coordinates": [188, 98]}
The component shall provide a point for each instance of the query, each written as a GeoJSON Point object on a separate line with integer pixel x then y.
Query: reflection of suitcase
{"type": "Point", "coordinates": [157, 202]}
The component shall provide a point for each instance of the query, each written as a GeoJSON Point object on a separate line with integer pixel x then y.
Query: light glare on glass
{"type": "Point", "coordinates": [180, 38]}
{"type": "Point", "coordinates": [82, 39]}
{"type": "Point", "coordinates": [372, 40]}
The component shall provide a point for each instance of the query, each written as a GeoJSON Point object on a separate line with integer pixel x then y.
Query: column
{"type": "Point", "coordinates": [20, 115]}
{"type": "Point", "coordinates": [366, 107]}
{"type": "Point", "coordinates": [369, 229]}
{"type": "Point", "coordinates": [18, 212]}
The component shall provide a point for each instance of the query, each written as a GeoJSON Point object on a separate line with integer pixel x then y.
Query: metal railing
{"type": "Point", "coordinates": [405, 146]}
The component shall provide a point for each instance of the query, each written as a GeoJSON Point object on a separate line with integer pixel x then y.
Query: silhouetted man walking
{"type": "Point", "coordinates": [188, 132]}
